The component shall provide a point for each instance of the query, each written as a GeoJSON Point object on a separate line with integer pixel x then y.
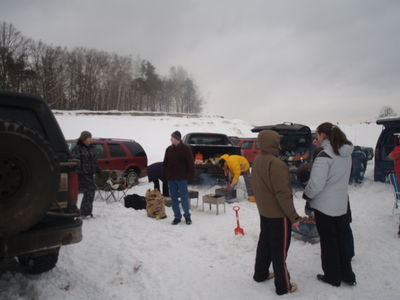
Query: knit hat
{"type": "Point", "coordinates": [85, 135]}
{"type": "Point", "coordinates": [177, 135]}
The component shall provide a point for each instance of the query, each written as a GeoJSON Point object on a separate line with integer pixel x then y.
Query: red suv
{"type": "Point", "coordinates": [119, 154]}
{"type": "Point", "coordinates": [249, 148]}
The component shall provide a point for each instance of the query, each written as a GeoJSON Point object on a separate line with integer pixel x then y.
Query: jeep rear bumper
{"type": "Point", "coordinates": [42, 238]}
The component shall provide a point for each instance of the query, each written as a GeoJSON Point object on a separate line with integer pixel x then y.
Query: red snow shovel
{"type": "Point", "coordinates": [238, 229]}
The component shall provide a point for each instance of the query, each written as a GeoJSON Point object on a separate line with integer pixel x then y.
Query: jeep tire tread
{"type": "Point", "coordinates": [29, 177]}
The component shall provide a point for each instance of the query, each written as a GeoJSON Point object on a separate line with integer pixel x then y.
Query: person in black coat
{"type": "Point", "coordinates": [178, 170]}
{"type": "Point", "coordinates": [359, 162]}
{"type": "Point", "coordinates": [155, 174]}
{"type": "Point", "coordinates": [88, 168]}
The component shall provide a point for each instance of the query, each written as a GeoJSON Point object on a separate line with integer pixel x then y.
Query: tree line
{"type": "Point", "coordinates": [90, 79]}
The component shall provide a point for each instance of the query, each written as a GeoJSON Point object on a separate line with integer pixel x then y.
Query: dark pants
{"type": "Point", "coordinates": [247, 180]}
{"type": "Point", "coordinates": [88, 188]}
{"type": "Point", "coordinates": [87, 203]}
{"type": "Point", "coordinates": [165, 191]}
{"type": "Point", "coordinates": [334, 241]}
{"type": "Point", "coordinates": [273, 246]}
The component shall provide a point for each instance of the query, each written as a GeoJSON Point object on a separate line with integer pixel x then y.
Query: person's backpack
{"type": "Point", "coordinates": [155, 204]}
{"type": "Point", "coordinates": [135, 201]}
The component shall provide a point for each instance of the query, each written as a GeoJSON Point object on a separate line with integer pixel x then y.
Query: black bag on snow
{"type": "Point", "coordinates": [135, 201]}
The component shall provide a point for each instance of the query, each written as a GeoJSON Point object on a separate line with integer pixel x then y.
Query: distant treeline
{"type": "Point", "coordinates": [91, 79]}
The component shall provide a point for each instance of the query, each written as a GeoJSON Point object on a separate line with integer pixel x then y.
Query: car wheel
{"type": "Point", "coordinates": [41, 263]}
{"type": "Point", "coordinates": [132, 178]}
{"type": "Point", "coordinates": [29, 177]}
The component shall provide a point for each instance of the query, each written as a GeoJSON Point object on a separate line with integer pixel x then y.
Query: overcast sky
{"type": "Point", "coordinates": [260, 61]}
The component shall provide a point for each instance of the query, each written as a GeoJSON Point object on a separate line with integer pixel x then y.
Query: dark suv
{"type": "Point", "coordinates": [384, 146]}
{"type": "Point", "coordinates": [207, 147]}
{"type": "Point", "coordinates": [122, 155]}
{"type": "Point", "coordinates": [296, 141]}
{"type": "Point", "coordinates": [37, 179]}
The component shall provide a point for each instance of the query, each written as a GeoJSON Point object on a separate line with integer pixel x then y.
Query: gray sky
{"type": "Point", "coordinates": [260, 61]}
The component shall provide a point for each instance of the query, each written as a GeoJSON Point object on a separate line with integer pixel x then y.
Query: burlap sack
{"type": "Point", "coordinates": [155, 204]}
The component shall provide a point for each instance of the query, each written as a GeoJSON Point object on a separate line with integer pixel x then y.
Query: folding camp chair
{"type": "Point", "coordinates": [393, 181]}
{"type": "Point", "coordinates": [112, 186]}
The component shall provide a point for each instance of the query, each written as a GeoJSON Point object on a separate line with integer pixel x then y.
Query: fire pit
{"type": "Point", "coordinates": [214, 199]}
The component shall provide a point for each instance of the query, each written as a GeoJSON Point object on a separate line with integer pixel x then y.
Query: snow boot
{"type": "Point", "coordinates": [175, 221]}
{"type": "Point", "coordinates": [322, 278]}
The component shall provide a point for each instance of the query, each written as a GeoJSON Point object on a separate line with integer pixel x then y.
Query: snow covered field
{"type": "Point", "coordinates": [126, 255]}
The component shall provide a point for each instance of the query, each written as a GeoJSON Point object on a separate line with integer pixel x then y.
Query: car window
{"type": "Point", "coordinates": [71, 145]}
{"type": "Point", "coordinates": [209, 139]}
{"type": "Point", "coordinates": [98, 150]}
{"type": "Point", "coordinates": [116, 150]}
{"type": "Point", "coordinates": [294, 143]}
{"type": "Point", "coordinates": [257, 146]}
{"type": "Point", "coordinates": [135, 149]}
{"type": "Point", "coordinates": [234, 142]}
{"type": "Point", "coordinates": [247, 145]}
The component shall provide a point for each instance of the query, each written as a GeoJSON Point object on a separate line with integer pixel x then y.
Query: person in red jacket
{"type": "Point", "coordinates": [395, 156]}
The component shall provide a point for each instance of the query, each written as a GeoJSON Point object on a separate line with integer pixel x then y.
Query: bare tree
{"type": "Point", "coordinates": [91, 79]}
{"type": "Point", "coordinates": [13, 58]}
{"type": "Point", "coordinates": [386, 111]}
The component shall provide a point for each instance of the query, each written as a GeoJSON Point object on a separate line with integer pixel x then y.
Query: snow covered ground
{"type": "Point", "coordinates": [126, 255]}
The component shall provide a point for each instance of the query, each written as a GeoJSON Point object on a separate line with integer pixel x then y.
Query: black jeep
{"type": "Point", "coordinates": [296, 143]}
{"type": "Point", "coordinates": [37, 180]}
{"type": "Point", "coordinates": [384, 145]}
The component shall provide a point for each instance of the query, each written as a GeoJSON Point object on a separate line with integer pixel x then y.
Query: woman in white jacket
{"type": "Point", "coordinates": [328, 195]}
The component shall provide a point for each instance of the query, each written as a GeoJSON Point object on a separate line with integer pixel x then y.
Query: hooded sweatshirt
{"type": "Point", "coordinates": [329, 179]}
{"type": "Point", "coordinates": [271, 180]}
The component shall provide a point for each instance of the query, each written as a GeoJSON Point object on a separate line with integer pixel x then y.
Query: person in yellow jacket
{"type": "Point", "coordinates": [234, 166]}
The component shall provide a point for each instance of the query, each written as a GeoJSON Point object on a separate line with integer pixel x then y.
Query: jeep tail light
{"type": "Point", "coordinates": [73, 187]}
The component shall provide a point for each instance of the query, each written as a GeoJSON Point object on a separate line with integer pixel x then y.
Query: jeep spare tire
{"type": "Point", "coordinates": [29, 177]}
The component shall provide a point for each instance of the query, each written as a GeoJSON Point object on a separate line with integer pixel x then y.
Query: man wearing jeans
{"type": "Point", "coordinates": [178, 169]}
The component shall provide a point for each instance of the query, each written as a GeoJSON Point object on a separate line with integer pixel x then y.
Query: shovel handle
{"type": "Point", "coordinates": [236, 208]}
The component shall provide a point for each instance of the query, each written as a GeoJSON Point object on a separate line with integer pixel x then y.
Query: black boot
{"type": "Point", "coordinates": [176, 221]}
{"type": "Point", "coordinates": [188, 221]}
{"type": "Point", "coordinates": [324, 279]}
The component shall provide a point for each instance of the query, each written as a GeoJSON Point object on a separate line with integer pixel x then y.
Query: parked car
{"type": "Point", "coordinates": [296, 143]}
{"type": "Point", "coordinates": [234, 140]}
{"type": "Point", "coordinates": [249, 148]}
{"type": "Point", "coordinates": [126, 156]}
{"type": "Point", "coordinates": [37, 180]}
{"type": "Point", "coordinates": [384, 145]}
{"type": "Point", "coordinates": [206, 149]}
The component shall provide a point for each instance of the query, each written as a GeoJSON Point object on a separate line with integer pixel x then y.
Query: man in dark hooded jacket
{"type": "Point", "coordinates": [359, 162]}
{"type": "Point", "coordinates": [273, 193]}
{"type": "Point", "coordinates": [86, 172]}
{"type": "Point", "coordinates": [155, 173]}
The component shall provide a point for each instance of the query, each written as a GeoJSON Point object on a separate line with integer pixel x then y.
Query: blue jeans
{"type": "Point", "coordinates": [178, 189]}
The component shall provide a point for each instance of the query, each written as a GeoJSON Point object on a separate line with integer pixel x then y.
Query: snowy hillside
{"type": "Point", "coordinates": [126, 255]}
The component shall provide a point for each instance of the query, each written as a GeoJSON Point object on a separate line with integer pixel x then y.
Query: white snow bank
{"type": "Point", "coordinates": [126, 255]}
